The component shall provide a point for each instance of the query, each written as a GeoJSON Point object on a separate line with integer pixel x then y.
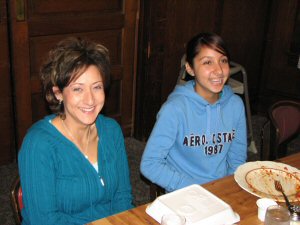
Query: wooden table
{"type": "Point", "coordinates": [226, 188]}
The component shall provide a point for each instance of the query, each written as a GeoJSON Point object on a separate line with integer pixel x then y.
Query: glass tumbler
{"type": "Point", "coordinates": [277, 215]}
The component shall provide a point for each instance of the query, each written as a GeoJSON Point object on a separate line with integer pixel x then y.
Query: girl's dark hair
{"type": "Point", "coordinates": [67, 61]}
{"type": "Point", "coordinates": [210, 40]}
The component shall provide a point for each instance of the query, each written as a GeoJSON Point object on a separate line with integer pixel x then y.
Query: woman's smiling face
{"type": "Point", "coordinates": [211, 71]}
{"type": "Point", "coordinates": [84, 97]}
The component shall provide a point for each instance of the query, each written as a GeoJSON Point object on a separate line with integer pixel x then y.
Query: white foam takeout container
{"type": "Point", "coordinates": [199, 206]}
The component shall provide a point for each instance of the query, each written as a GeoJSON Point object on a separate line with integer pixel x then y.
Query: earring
{"type": "Point", "coordinates": [60, 102]}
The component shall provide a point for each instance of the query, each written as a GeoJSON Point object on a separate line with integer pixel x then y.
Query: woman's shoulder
{"type": "Point", "coordinates": [42, 133]}
{"type": "Point", "coordinates": [42, 126]}
{"type": "Point", "coordinates": [107, 121]}
{"type": "Point", "coordinates": [108, 124]}
{"type": "Point", "coordinates": [40, 138]}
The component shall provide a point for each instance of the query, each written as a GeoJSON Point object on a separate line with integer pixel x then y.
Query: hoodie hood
{"type": "Point", "coordinates": [201, 105]}
{"type": "Point", "coordinates": [188, 90]}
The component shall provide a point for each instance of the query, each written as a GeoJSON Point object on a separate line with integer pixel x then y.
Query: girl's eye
{"type": "Point", "coordinates": [207, 62]}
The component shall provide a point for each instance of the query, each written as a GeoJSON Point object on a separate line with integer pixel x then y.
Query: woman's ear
{"type": "Point", "coordinates": [57, 93]}
{"type": "Point", "coordinates": [189, 69]}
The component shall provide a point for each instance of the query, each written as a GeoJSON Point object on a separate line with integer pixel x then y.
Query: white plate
{"type": "Point", "coordinates": [199, 206]}
{"type": "Point", "coordinates": [258, 179]}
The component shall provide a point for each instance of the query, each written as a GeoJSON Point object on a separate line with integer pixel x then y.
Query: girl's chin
{"type": "Point", "coordinates": [217, 90]}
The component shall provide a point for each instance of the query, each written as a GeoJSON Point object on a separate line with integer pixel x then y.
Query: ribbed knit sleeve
{"type": "Point", "coordinates": [37, 172]}
{"type": "Point", "coordinates": [122, 198]}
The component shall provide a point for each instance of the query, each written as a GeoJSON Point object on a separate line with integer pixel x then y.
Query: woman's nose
{"type": "Point", "coordinates": [88, 97]}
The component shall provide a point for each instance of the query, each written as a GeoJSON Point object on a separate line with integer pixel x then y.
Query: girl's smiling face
{"type": "Point", "coordinates": [211, 71]}
{"type": "Point", "coordinates": [84, 97]}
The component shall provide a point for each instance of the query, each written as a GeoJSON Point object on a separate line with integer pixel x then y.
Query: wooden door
{"type": "Point", "coordinates": [7, 144]}
{"type": "Point", "coordinates": [37, 25]}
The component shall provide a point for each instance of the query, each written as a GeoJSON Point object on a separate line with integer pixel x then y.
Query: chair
{"type": "Point", "coordinates": [238, 87]}
{"type": "Point", "coordinates": [284, 126]}
{"type": "Point", "coordinates": [16, 199]}
{"type": "Point", "coordinates": [155, 191]}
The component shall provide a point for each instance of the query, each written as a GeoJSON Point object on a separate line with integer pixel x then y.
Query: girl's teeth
{"type": "Point", "coordinates": [216, 81]}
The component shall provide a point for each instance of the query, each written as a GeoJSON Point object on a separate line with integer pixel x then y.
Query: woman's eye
{"type": "Point", "coordinates": [98, 87]}
{"type": "Point", "coordinates": [225, 61]}
{"type": "Point", "coordinates": [77, 89]}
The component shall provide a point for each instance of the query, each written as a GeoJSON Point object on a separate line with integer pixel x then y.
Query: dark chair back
{"type": "Point", "coordinates": [265, 141]}
{"type": "Point", "coordinates": [155, 191]}
{"type": "Point", "coordinates": [16, 199]}
{"type": "Point", "coordinates": [285, 125]}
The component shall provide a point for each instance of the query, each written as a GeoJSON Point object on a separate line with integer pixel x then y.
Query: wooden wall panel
{"type": "Point", "coordinates": [39, 105]}
{"type": "Point", "coordinates": [109, 22]}
{"type": "Point", "coordinates": [39, 47]}
{"type": "Point", "coordinates": [7, 143]}
{"type": "Point", "coordinates": [54, 6]}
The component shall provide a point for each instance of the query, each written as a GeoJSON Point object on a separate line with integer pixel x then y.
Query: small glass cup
{"type": "Point", "coordinates": [262, 205]}
{"type": "Point", "coordinates": [173, 219]}
{"type": "Point", "coordinates": [277, 215]}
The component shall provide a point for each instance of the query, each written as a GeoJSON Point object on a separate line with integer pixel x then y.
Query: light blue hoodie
{"type": "Point", "coordinates": [193, 141]}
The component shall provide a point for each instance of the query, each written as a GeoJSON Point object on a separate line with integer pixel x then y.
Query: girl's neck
{"type": "Point", "coordinates": [209, 97]}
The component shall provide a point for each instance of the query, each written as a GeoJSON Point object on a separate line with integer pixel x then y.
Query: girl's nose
{"type": "Point", "coordinates": [218, 69]}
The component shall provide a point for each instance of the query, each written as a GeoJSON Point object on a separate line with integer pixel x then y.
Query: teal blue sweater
{"type": "Point", "coordinates": [60, 186]}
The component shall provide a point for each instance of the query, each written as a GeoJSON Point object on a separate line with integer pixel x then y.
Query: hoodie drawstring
{"type": "Point", "coordinates": [208, 113]}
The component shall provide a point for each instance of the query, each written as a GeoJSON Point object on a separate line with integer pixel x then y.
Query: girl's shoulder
{"type": "Point", "coordinates": [236, 101]}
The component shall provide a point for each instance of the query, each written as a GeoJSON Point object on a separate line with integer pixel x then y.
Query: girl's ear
{"type": "Point", "coordinates": [57, 93]}
{"type": "Point", "coordinates": [189, 69]}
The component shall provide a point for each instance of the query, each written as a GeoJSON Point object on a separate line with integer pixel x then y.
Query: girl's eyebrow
{"type": "Point", "coordinates": [203, 57]}
{"type": "Point", "coordinates": [211, 57]}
